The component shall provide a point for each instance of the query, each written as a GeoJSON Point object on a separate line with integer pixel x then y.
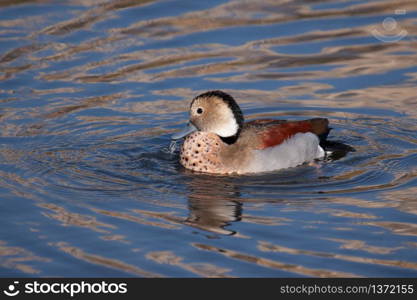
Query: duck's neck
{"type": "Point", "coordinates": [230, 139]}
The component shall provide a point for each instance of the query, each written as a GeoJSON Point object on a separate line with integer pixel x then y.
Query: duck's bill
{"type": "Point", "coordinates": [186, 131]}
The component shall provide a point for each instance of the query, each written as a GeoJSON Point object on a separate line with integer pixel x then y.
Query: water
{"type": "Point", "coordinates": [91, 91]}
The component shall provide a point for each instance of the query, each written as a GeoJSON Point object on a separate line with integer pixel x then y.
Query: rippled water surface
{"type": "Point", "coordinates": [90, 92]}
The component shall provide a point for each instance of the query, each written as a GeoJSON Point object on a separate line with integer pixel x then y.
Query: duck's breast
{"type": "Point", "coordinates": [201, 152]}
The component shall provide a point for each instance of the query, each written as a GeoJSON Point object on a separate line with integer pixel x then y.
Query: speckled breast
{"type": "Point", "coordinates": [200, 152]}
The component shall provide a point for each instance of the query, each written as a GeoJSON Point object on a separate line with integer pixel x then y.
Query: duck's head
{"type": "Point", "coordinates": [214, 112]}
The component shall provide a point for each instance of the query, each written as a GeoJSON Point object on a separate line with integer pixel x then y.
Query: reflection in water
{"type": "Point", "coordinates": [397, 263]}
{"type": "Point", "coordinates": [356, 244]}
{"type": "Point", "coordinates": [103, 261]}
{"type": "Point", "coordinates": [15, 258]}
{"type": "Point", "coordinates": [144, 220]}
{"type": "Point", "coordinates": [213, 203]}
{"type": "Point", "coordinates": [73, 219]}
{"type": "Point", "coordinates": [201, 269]}
{"type": "Point", "coordinates": [273, 263]}
{"type": "Point", "coordinates": [90, 92]}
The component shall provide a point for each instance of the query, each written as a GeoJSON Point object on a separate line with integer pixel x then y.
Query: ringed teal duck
{"type": "Point", "coordinates": [217, 140]}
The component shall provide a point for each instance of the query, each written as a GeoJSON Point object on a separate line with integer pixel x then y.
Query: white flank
{"type": "Point", "coordinates": [301, 148]}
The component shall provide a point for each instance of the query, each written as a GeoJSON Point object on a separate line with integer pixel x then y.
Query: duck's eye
{"type": "Point", "coordinates": [199, 110]}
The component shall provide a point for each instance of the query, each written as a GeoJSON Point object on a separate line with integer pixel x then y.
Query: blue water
{"type": "Point", "coordinates": [91, 91]}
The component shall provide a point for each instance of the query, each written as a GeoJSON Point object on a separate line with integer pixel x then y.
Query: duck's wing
{"type": "Point", "coordinates": [275, 132]}
{"type": "Point", "coordinates": [265, 122]}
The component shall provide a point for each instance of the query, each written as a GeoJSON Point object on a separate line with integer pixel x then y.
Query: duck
{"type": "Point", "coordinates": [217, 139]}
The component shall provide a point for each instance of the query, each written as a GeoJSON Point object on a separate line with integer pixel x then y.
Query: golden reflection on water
{"type": "Point", "coordinates": [15, 258]}
{"type": "Point", "coordinates": [401, 228]}
{"type": "Point", "coordinates": [361, 245]}
{"type": "Point", "coordinates": [103, 261]}
{"type": "Point", "coordinates": [247, 59]}
{"type": "Point", "coordinates": [273, 263]}
{"type": "Point", "coordinates": [86, 103]}
{"type": "Point", "coordinates": [268, 247]}
{"type": "Point", "coordinates": [404, 199]}
{"type": "Point", "coordinates": [237, 13]}
{"type": "Point", "coordinates": [139, 220]}
{"type": "Point", "coordinates": [74, 219]}
{"type": "Point", "coordinates": [201, 269]}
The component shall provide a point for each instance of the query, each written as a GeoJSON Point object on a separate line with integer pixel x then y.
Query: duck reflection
{"type": "Point", "coordinates": [213, 203]}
